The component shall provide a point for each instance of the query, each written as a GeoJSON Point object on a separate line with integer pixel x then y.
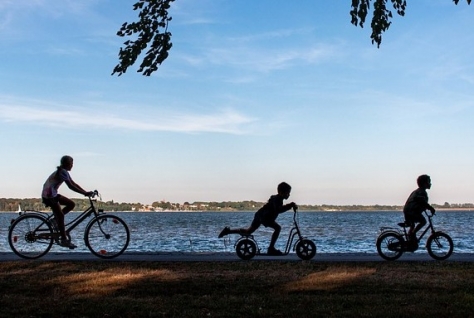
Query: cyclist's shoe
{"type": "Point", "coordinates": [224, 232]}
{"type": "Point", "coordinates": [412, 246]}
{"type": "Point", "coordinates": [67, 243]}
{"type": "Point", "coordinates": [54, 223]}
{"type": "Point", "coordinates": [272, 251]}
{"type": "Point", "coordinates": [57, 238]}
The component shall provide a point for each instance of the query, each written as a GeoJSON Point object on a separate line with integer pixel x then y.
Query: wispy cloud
{"type": "Point", "coordinates": [65, 51]}
{"type": "Point", "coordinates": [268, 60]}
{"type": "Point", "coordinates": [271, 35]}
{"type": "Point", "coordinates": [262, 52]}
{"type": "Point", "coordinates": [225, 121]}
{"type": "Point", "coordinates": [20, 19]}
{"type": "Point", "coordinates": [53, 8]}
{"type": "Point", "coordinates": [261, 60]}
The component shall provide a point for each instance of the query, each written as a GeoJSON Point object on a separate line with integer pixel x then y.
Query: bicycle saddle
{"type": "Point", "coordinates": [405, 224]}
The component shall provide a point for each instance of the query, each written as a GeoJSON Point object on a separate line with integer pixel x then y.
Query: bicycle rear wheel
{"type": "Point", "coordinates": [439, 246]}
{"type": "Point", "coordinates": [30, 236]}
{"type": "Point", "coordinates": [107, 236]}
{"type": "Point", "coordinates": [389, 246]}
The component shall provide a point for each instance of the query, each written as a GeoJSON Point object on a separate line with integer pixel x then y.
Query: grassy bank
{"type": "Point", "coordinates": [236, 289]}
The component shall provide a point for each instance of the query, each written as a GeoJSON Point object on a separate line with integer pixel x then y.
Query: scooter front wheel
{"type": "Point", "coordinates": [306, 249]}
{"type": "Point", "coordinates": [246, 249]}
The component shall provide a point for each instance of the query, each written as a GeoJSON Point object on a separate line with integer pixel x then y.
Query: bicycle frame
{"type": "Point", "coordinates": [75, 222]}
{"type": "Point", "coordinates": [392, 242]}
{"type": "Point", "coordinates": [428, 227]}
{"type": "Point", "coordinates": [32, 234]}
{"type": "Point", "coordinates": [83, 216]}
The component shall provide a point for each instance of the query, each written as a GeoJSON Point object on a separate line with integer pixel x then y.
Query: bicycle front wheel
{"type": "Point", "coordinates": [30, 236]}
{"type": "Point", "coordinates": [107, 236]}
{"type": "Point", "coordinates": [439, 246]}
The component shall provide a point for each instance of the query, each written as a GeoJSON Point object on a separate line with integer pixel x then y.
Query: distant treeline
{"type": "Point", "coordinates": [13, 204]}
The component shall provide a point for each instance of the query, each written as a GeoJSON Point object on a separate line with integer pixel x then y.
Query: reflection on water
{"type": "Point", "coordinates": [333, 232]}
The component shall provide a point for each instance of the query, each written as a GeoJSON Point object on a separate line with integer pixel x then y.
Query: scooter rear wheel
{"type": "Point", "coordinates": [306, 249]}
{"type": "Point", "coordinates": [246, 249]}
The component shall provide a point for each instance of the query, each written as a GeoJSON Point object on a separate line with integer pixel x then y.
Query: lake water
{"type": "Point", "coordinates": [333, 232]}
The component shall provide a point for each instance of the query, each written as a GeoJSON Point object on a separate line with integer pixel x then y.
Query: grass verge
{"type": "Point", "coordinates": [236, 289]}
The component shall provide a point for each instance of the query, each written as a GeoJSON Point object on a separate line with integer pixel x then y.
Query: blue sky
{"type": "Point", "coordinates": [252, 94]}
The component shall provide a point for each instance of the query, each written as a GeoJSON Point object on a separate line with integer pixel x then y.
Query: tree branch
{"type": "Point", "coordinates": [152, 29]}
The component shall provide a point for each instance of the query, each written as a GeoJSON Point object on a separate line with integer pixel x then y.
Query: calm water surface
{"type": "Point", "coordinates": [333, 232]}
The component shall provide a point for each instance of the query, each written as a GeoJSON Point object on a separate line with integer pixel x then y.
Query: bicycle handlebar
{"type": "Point", "coordinates": [429, 213]}
{"type": "Point", "coordinates": [94, 194]}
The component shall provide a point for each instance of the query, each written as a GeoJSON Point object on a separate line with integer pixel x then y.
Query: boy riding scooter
{"type": "Point", "coordinates": [267, 216]}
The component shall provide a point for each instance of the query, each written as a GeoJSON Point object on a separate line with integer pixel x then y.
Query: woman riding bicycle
{"type": "Point", "coordinates": [52, 199]}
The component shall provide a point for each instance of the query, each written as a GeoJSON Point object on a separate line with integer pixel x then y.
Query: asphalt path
{"type": "Point", "coordinates": [232, 257]}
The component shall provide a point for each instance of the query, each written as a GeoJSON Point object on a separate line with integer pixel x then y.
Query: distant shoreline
{"type": "Point", "coordinates": [250, 211]}
{"type": "Point", "coordinates": [16, 204]}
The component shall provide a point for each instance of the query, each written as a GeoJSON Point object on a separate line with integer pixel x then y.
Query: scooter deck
{"type": "Point", "coordinates": [271, 255]}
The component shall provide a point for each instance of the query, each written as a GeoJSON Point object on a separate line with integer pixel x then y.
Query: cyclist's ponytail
{"type": "Point", "coordinates": [65, 160]}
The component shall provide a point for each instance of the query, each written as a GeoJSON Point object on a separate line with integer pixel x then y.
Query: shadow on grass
{"type": "Point", "coordinates": [236, 289]}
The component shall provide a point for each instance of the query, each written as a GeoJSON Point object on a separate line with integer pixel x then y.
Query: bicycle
{"type": "Point", "coordinates": [32, 234]}
{"type": "Point", "coordinates": [246, 246]}
{"type": "Point", "coordinates": [392, 243]}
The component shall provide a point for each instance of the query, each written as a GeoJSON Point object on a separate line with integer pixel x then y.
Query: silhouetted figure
{"type": "Point", "coordinates": [52, 199]}
{"type": "Point", "coordinates": [416, 204]}
{"type": "Point", "coordinates": [267, 216]}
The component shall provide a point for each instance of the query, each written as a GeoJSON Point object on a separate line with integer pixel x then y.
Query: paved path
{"type": "Point", "coordinates": [221, 257]}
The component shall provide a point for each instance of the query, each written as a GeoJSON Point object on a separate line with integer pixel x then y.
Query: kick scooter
{"type": "Point", "coordinates": [247, 248]}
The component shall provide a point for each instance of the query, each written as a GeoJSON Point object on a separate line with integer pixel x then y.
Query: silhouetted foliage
{"type": "Point", "coordinates": [152, 30]}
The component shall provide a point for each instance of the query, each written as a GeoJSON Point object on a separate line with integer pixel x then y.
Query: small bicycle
{"type": "Point", "coordinates": [246, 246]}
{"type": "Point", "coordinates": [32, 234]}
{"type": "Point", "coordinates": [393, 242]}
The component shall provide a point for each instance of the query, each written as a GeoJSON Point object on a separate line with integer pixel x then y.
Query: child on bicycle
{"type": "Point", "coordinates": [416, 204]}
{"type": "Point", "coordinates": [52, 199]}
{"type": "Point", "coordinates": [267, 216]}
